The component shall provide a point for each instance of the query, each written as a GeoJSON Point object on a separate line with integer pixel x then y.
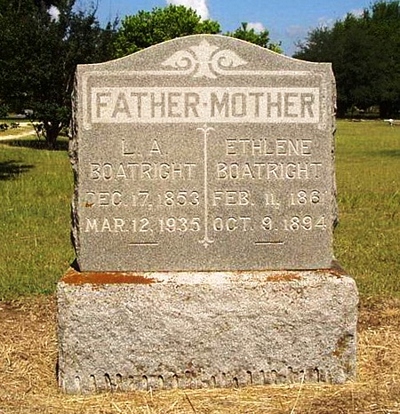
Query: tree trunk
{"type": "Point", "coordinates": [385, 110]}
{"type": "Point", "coordinates": [52, 133]}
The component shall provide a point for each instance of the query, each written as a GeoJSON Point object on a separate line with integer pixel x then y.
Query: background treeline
{"type": "Point", "coordinates": [42, 41]}
{"type": "Point", "coordinates": [365, 54]}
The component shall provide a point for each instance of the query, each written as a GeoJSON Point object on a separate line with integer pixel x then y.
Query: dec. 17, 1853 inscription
{"type": "Point", "coordinates": [205, 153]}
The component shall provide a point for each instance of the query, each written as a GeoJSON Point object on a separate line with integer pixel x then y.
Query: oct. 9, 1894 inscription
{"type": "Point", "coordinates": [204, 153]}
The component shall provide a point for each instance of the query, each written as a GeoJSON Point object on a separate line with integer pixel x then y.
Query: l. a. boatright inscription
{"type": "Point", "coordinates": [204, 158]}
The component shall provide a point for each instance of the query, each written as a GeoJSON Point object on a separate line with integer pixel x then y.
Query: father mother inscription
{"type": "Point", "coordinates": [201, 157]}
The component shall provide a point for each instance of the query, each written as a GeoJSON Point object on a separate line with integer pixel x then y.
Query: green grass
{"type": "Point", "coordinates": [367, 240]}
{"type": "Point", "coordinates": [36, 188]}
{"type": "Point", "coordinates": [35, 191]}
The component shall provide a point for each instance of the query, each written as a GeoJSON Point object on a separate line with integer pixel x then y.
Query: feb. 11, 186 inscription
{"type": "Point", "coordinates": [203, 153]}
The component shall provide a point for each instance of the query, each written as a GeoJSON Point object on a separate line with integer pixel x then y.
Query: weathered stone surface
{"type": "Point", "coordinates": [204, 153]}
{"type": "Point", "coordinates": [203, 221]}
{"type": "Point", "coordinates": [161, 330]}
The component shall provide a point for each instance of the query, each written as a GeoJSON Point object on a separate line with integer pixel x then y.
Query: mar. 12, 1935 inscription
{"type": "Point", "coordinates": [204, 153]}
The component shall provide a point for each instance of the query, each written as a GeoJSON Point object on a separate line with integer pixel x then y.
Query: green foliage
{"type": "Point", "coordinates": [39, 54]}
{"type": "Point", "coordinates": [365, 54]}
{"type": "Point", "coordinates": [250, 35]}
{"type": "Point", "coordinates": [4, 109]}
{"type": "Point", "coordinates": [146, 28]}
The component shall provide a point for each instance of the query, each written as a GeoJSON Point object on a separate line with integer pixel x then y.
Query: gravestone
{"type": "Point", "coordinates": [203, 218]}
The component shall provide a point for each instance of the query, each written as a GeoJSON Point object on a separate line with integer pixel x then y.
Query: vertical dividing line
{"type": "Point", "coordinates": [206, 240]}
{"type": "Point", "coordinates": [205, 183]}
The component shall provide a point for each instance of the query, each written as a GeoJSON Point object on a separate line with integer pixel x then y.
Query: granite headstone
{"type": "Point", "coordinates": [203, 219]}
{"type": "Point", "coordinates": [204, 154]}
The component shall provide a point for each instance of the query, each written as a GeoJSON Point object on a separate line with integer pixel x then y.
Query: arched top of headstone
{"type": "Point", "coordinates": [210, 57]}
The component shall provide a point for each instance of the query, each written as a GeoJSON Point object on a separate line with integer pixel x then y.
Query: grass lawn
{"type": "Point", "coordinates": [367, 240]}
{"type": "Point", "coordinates": [36, 189]}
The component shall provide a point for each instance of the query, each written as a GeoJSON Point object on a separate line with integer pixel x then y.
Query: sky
{"type": "Point", "coordinates": [288, 21]}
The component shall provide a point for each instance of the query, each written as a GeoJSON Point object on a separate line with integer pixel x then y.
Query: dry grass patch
{"type": "Point", "coordinates": [28, 383]}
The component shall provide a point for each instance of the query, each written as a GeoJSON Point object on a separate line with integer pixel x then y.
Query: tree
{"type": "Point", "coordinates": [384, 26]}
{"type": "Point", "coordinates": [250, 35]}
{"type": "Point", "coordinates": [365, 54]}
{"type": "Point", "coordinates": [146, 28]}
{"type": "Point", "coordinates": [39, 52]}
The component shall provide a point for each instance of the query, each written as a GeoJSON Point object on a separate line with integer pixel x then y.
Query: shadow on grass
{"type": "Point", "coordinates": [34, 143]}
{"type": "Point", "coordinates": [394, 153]}
{"type": "Point", "coordinates": [12, 169]}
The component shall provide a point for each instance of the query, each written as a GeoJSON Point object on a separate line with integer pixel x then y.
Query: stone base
{"type": "Point", "coordinates": [130, 331]}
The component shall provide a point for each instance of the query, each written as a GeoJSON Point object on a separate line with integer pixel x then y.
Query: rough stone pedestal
{"type": "Point", "coordinates": [130, 331]}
